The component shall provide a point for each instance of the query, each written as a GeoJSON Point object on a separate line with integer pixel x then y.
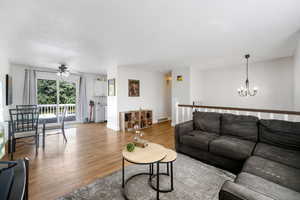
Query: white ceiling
{"type": "Point", "coordinates": [93, 35]}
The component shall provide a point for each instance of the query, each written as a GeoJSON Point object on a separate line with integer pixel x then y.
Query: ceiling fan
{"type": "Point", "coordinates": [63, 71]}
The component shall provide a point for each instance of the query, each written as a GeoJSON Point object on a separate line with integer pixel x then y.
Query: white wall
{"type": "Point", "coordinates": [4, 115]}
{"type": "Point", "coordinates": [168, 94]}
{"type": "Point", "coordinates": [112, 101]}
{"type": "Point", "coordinates": [275, 80]}
{"type": "Point", "coordinates": [181, 90]}
{"type": "Point", "coordinates": [153, 87]}
{"type": "Point", "coordinates": [196, 76]}
{"type": "Point", "coordinates": [4, 69]}
{"type": "Point", "coordinates": [155, 94]}
{"type": "Point", "coordinates": [297, 78]}
{"type": "Point", "coordinates": [18, 75]}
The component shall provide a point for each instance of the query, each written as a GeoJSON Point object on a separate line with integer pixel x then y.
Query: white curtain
{"type": "Point", "coordinates": [83, 104]}
{"type": "Point", "coordinates": [29, 92]}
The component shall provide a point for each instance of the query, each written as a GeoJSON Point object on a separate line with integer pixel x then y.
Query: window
{"type": "Point", "coordinates": [46, 91]}
{"type": "Point", "coordinates": [53, 95]}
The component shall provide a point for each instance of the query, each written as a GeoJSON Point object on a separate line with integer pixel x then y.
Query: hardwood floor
{"type": "Point", "coordinates": [92, 151]}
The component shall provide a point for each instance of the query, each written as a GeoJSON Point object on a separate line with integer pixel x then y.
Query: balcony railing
{"type": "Point", "coordinates": [185, 112]}
{"type": "Point", "coordinates": [53, 112]}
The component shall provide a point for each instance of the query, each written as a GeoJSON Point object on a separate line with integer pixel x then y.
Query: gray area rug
{"type": "Point", "coordinates": [193, 180]}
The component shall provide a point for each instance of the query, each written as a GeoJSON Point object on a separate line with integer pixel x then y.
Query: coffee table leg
{"type": "Point", "coordinates": [172, 186]}
{"type": "Point", "coordinates": [157, 181]}
{"type": "Point", "coordinates": [150, 171]}
{"type": "Point", "coordinates": [123, 173]}
{"type": "Point", "coordinates": [168, 171]}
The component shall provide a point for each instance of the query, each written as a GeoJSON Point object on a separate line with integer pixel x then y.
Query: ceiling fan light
{"type": "Point", "coordinates": [66, 74]}
{"type": "Point", "coordinates": [63, 71]}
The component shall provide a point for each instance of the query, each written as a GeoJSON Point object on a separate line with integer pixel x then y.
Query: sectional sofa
{"type": "Point", "coordinates": [265, 154]}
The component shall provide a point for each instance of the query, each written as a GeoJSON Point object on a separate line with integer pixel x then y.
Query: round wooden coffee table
{"type": "Point", "coordinates": [149, 155]}
{"type": "Point", "coordinates": [168, 160]}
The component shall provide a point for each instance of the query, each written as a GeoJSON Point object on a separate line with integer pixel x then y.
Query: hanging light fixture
{"type": "Point", "coordinates": [63, 71]}
{"type": "Point", "coordinates": [246, 91]}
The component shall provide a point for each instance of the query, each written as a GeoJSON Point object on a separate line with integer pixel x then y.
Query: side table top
{"type": "Point", "coordinates": [150, 154]}
{"type": "Point", "coordinates": [170, 157]}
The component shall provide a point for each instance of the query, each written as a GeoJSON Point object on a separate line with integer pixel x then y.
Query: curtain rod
{"type": "Point", "coordinates": [76, 74]}
{"type": "Point", "coordinates": [54, 72]}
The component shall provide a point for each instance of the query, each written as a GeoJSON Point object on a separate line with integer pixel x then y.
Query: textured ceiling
{"type": "Point", "coordinates": [93, 35]}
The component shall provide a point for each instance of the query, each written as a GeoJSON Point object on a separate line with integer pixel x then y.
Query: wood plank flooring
{"type": "Point", "coordinates": [92, 151]}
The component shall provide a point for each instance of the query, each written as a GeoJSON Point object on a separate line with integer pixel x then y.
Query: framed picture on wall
{"type": "Point", "coordinates": [133, 88]}
{"type": "Point", "coordinates": [8, 89]}
{"type": "Point", "coordinates": [111, 87]}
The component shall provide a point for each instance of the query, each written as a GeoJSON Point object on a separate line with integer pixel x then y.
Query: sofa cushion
{"type": "Point", "coordinates": [245, 127]}
{"type": "Point", "coordinates": [273, 171]}
{"type": "Point", "coordinates": [281, 155]}
{"type": "Point", "coordinates": [232, 147]}
{"type": "Point", "coordinates": [234, 191]}
{"type": "Point", "coordinates": [280, 133]}
{"type": "Point", "coordinates": [266, 187]}
{"type": "Point", "coordinates": [207, 121]}
{"type": "Point", "coordinates": [198, 139]}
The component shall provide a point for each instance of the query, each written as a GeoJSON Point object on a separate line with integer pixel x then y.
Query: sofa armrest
{"type": "Point", "coordinates": [234, 191]}
{"type": "Point", "coordinates": [182, 129]}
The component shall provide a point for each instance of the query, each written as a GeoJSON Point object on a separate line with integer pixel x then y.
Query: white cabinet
{"type": "Point", "coordinates": [100, 113]}
{"type": "Point", "coordinates": [100, 88]}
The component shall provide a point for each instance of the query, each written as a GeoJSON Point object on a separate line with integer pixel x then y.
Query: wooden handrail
{"type": "Point", "coordinates": [284, 112]}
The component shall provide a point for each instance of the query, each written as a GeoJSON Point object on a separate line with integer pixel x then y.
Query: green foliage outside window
{"type": "Point", "coordinates": [47, 92]}
{"type": "Point", "coordinates": [67, 93]}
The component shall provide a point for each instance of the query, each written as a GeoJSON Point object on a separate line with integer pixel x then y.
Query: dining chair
{"type": "Point", "coordinates": [24, 123]}
{"type": "Point", "coordinates": [58, 126]}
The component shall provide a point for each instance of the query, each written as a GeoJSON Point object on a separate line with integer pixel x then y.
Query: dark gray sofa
{"type": "Point", "coordinates": [265, 154]}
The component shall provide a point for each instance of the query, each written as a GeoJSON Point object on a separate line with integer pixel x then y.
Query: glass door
{"type": "Point", "coordinates": [53, 95]}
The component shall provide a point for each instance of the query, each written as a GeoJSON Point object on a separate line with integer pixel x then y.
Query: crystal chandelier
{"type": "Point", "coordinates": [243, 92]}
{"type": "Point", "coordinates": [63, 71]}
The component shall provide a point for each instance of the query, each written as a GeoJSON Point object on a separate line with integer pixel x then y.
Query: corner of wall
{"type": "Point", "coordinates": [112, 101]}
{"type": "Point", "coordinates": [297, 77]}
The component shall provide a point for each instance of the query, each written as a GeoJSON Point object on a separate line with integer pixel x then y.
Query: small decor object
{"type": "Point", "coordinates": [130, 147]}
{"type": "Point", "coordinates": [111, 87]}
{"type": "Point", "coordinates": [244, 92]}
{"type": "Point", "coordinates": [137, 132]}
{"type": "Point", "coordinates": [137, 138]}
{"type": "Point", "coordinates": [179, 78]}
{"type": "Point", "coordinates": [141, 143]}
{"type": "Point", "coordinates": [133, 88]}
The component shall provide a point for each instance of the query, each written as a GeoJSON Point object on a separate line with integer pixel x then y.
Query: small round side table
{"type": "Point", "coordinates": [149, 155]}
{"type": "Point", "coordinates": [168, 160]}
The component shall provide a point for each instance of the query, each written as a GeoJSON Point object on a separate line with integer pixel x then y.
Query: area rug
{"type": "Point", "coordinates": [193, 180]}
